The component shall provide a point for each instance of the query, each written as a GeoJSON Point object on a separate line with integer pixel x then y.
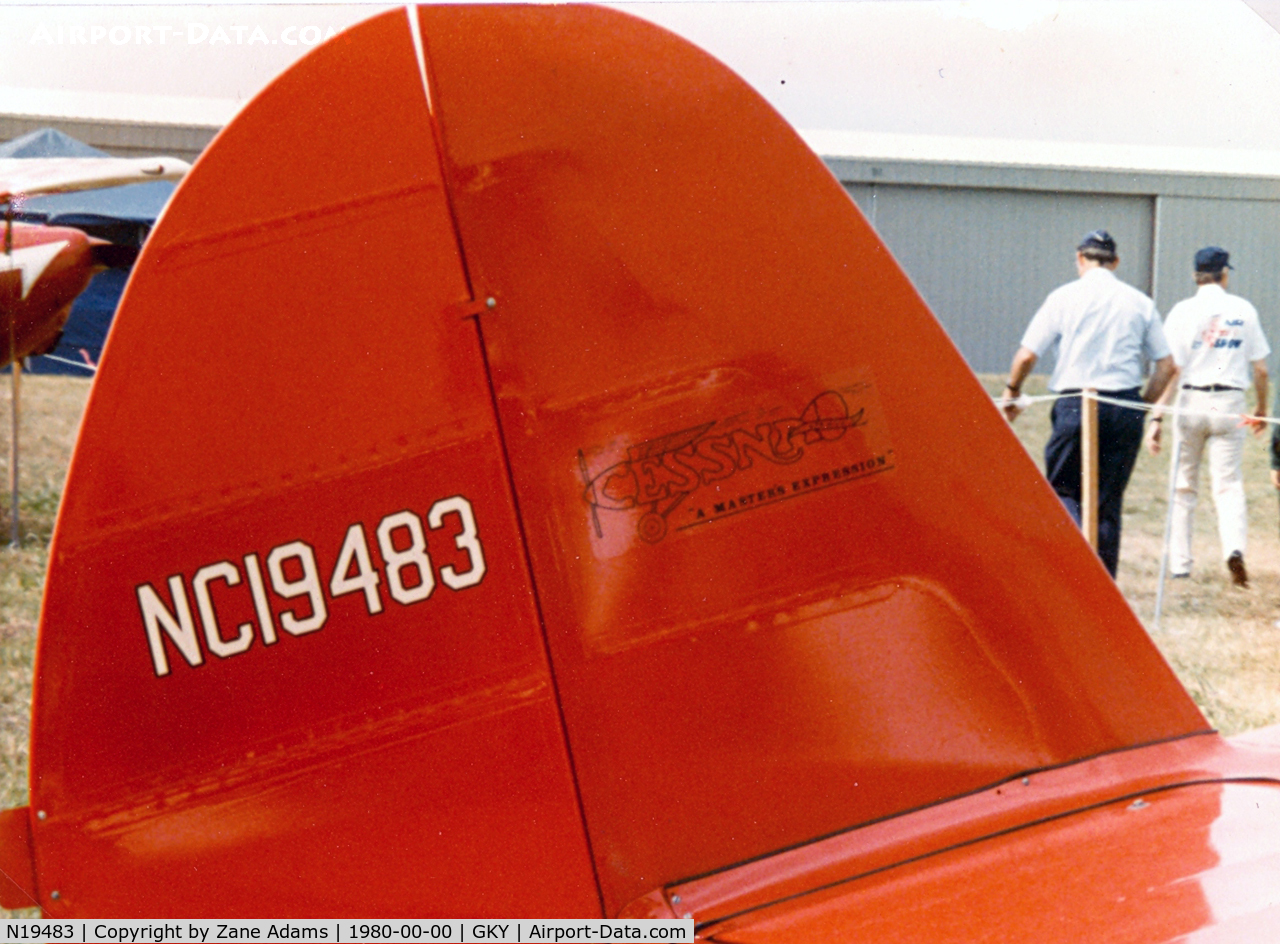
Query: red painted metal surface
{"type": "Point", "coordinates": [728, 550]}
{"type": "Point", "coordinates": [290, 363]}
{"type": "Point", "coordinates": [17, 876]}
{"type": "Point", "coordinates": [1122, 873]}
{"type": "Point", "coordinates": [41, 275]}
{"type": "Point", "coordinates": [1148, 845]}
{"type": "Point", "coordinates": [766, 629]}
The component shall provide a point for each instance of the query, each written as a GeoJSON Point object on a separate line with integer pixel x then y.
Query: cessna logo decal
{"type": "Point", "coordinates": [658, 475]}
{"type": "Point", "coordinates": [293, 574]}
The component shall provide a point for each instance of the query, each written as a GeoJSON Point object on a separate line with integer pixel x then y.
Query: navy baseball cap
{"type": "Point", "coordinates": [1099, 239]}
{"type": "Point", "coordinates": [1212, 259]}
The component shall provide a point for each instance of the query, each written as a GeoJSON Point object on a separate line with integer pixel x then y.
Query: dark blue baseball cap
{"type": "Point", "coordinates": [1100, 240]}
{"type": "Point", "coordinates": [1212, 259]}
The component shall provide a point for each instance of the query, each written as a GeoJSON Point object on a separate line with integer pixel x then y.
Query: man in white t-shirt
{"type": "Point", "coordinates": [1106, 332]}
{"type": "Point", "coordinates": [1220, 351]}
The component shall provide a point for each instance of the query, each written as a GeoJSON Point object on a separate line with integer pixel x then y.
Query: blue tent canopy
{"type": "Point", "coordinates": [48, 142]}
{"type": "Point", "coordinates": [118, 214]}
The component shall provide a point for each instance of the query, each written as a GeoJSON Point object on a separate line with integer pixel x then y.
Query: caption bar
{"type": "Point", "coordinates": [509, 931]}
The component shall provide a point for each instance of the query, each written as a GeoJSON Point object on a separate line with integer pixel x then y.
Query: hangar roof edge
{"type": "Point", "coordinates": [936, 160]}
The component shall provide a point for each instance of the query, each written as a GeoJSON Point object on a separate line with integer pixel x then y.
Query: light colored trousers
{"type": "Point", "coordinates": [1223, 434]}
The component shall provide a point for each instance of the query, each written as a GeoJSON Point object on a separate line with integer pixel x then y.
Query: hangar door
{"type": "Point", "coordinates": [984, 259]}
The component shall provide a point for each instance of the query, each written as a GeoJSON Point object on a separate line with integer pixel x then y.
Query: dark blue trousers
{"type": "Point", "coordinates": [1119, 439]}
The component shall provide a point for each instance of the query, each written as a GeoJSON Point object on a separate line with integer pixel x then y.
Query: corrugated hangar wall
{"type": "Point", "coordinates": [119, 138]}
{"type": "Point", "coordinates": [985, 244]}
{"type": "Point", "coordinates": [1249, 229]}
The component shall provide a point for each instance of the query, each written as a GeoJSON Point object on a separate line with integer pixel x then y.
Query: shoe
{"type": "Point", "coordinates": [1185, 575]}
{"type": "Point", "coordinates": [1235, 564]}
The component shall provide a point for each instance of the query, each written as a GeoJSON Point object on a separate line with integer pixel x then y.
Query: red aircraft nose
{"type": "Point", "coordinates": [41, 274]}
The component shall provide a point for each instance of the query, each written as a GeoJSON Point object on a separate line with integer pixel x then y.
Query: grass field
{"type": "Point", "coordinates": [51, 408]}
{"type": "Point", "coordinates": [1221, 641]}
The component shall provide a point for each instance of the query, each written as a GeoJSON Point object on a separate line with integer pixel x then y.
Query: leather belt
{"type": "Point", "coordinates": [1212, 388]}
{"type": "Point", "coordinates": [1127, 393]}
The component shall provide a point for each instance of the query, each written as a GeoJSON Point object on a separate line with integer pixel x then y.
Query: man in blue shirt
{"type": "Point", "coordinates": [1105, 332]}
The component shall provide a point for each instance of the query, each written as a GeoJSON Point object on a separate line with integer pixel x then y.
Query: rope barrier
{"type": "Point", "coordinates": [63, 360]}
{"type": "Point", "coordinates": [1022, 402]}
{"type": "Point", "coordinates": [1025, 401]}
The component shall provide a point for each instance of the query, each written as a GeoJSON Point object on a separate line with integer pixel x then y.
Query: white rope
{"type": "Point", "coordinates": [62, 360]}
{"type": "Point", "coordinates": [1025, 401]}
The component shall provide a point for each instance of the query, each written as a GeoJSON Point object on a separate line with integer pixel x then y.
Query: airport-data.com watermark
{"type": "Point", "coordinates": [188, 34]}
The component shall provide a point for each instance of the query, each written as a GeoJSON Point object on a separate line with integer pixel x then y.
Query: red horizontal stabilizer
{"type": "Point", "coordinates": [17, 872]}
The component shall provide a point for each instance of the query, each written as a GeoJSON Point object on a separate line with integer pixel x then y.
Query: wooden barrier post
{"type": "Point", "coordinates": [1089, 466]}
{"type": "Point", "coordinates": [16, 362]}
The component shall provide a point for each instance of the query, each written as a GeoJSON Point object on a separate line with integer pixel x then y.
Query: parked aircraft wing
{"type": "Point", "coordinates": [44, 269]}
{"type": "Point", "coordinates": [27, 176]}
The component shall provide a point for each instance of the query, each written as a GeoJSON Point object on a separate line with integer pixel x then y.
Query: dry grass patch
{"type": "Point", "coordinates": [1221, 641]}
{"type": "Point", "coordinates": [51, 409]}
